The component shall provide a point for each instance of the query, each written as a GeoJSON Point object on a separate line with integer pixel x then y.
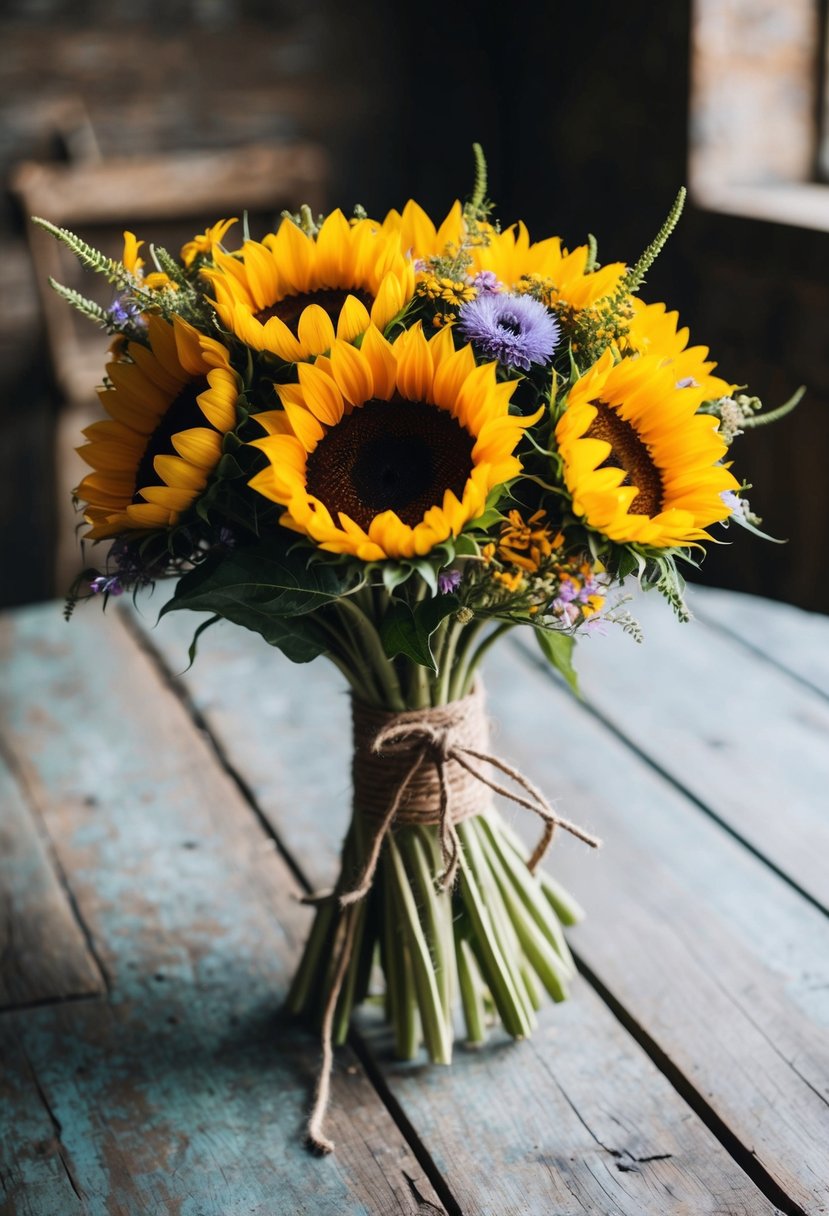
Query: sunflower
{"type": "Point", "coordinates": [419, 236]}
{"type": "Point", "coordinates": [641, 464]}
{"type": "Point", "coordinates": [563, 275]}
{"type": "Point", "coordinates": [131, 262]}
{"type": "Point", "coordinates": [203, 245]}
{"type": "Point", "coordinates": [292, 294]}
{"type": "Point", "coordinates": [654, 331]}
{"type": "Point", "coordinates": [168, 407]}
{"type": "Point", "coordinates": [392, 448]}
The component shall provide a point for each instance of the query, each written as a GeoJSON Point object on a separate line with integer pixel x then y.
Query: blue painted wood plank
{"type": "Point", "coordinates": [740, 735]}
{"type": "Point", "coordinates": [722, 963]}
{"type": "Point", "coordinates": [575, 1120]}
{"type": "Point", "coordinates": [797, 640]}
{"type": "Point", "coordinates": [43, 952]}
{"type": "Point", "coordinates": [180, 1094]}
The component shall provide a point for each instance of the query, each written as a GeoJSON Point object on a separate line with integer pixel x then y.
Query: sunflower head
{"type": "Point", "coordinates": [642, 466]}
{"type": "Point", "coordinates": [203, 245]}
{"type": "Point", "coordinates": [292, 294]}
{"type": "Point", "coordinates": [169, 405]}
{"type": "Point", "coordinates": [558, 277]}
{"type": "Point", "coordinates": [386, 451]}
{"type": "Point", "coordinates": [420, 237]}
{"type": "Point", "coordinates": [653, 330]}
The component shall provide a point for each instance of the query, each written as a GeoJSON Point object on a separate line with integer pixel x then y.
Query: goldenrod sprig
{"type": "Point", "coordinates": [86, 307]}
{"type": "Point", "coordinates": [635, 277]}
{"type": "Point", "coordinates": [168, 265]}
{"type": "Point", "coordinates": [88, 256]}
{"type": "Point", "coordinates": [473, 207]}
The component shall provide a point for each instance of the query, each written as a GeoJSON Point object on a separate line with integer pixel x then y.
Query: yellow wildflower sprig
{"type": "Point", "coordinates": [528, 571]}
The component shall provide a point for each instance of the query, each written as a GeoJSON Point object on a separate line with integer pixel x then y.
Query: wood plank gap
{"type": "Point", "coordinates": [741, 1155]}
{"type": "Point", "coordinates": [179, 691]}
{"type": "Point", "coordinates": [71, 998]}
{"type": "Point", "coordinates": [541, 665]}
{"type": "Point", "coordinates": [717, 626]}
{"type": "Point", "coordinates": [357, 1043]}
{"type": "Point", "coordinates": [57, 1128]}
{"type": "Point", "coordinates": [18, 772]}
{"type": "Point", "coordinates": [424, 1159]}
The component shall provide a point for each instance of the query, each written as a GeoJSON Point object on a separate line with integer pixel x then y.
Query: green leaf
{"type": "Point", "coordinates": [558, 648]}
{"type": "Point", "coordinates": [407, 632]}
{"type": "Point", "coordinates": [394, 575]}
{"type": "Point", "coordinates": [264, 589]}
{"type": "Point", "coordinates": [193, 647]}
{"type": "Point", "coordinates": [400, 634]}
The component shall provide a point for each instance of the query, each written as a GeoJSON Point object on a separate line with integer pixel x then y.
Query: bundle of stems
{"type": "Point", "coordinates": [493, 941]}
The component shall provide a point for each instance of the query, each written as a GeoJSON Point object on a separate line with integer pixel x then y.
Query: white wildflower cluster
{"type": "Point", "coordinates": [734, 414]}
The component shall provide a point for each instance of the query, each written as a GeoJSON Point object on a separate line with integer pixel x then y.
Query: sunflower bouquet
{"type": "Point", "coordinates": [389, 442]}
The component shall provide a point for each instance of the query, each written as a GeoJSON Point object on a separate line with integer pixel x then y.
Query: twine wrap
{"type": "Point", "coordinates": [411, 768]}
{"type": "Point", "coordinates": [421, 766]}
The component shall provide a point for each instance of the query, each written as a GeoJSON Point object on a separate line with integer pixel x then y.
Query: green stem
{"type": "Point", "coordinates": [374, 656]}
{"type": "Point", "coordinates": [472, 664]}
{"type": "Point", "coordinates": [436, 1033]}
{"type": "Point", "coordinates": [471, 995]}
{"type": "Point", "coordinates": [446, 662]}
{"type": "Point", "coordinates": [538, 949]}
{"type": "Point", "coordinates": [529, 890]}
{"type": "Point", "coordinates": [494, 967]}
{"type": "Point", "coordinates": [500, 912]}
{"type": "Point", "coordinates": [462, 656]}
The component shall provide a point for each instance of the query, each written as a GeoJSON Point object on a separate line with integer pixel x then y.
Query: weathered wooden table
{"type": "Point", "coordinates": [157, 828]}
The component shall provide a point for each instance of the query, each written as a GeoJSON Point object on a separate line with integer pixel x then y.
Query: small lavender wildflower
{"type": "Point", "coordinates": [516, 330]}
{"type": "Point", "coordinates": [124, 312]}
{"type": "Point", "coordinates": [734, 504]}
{"type": "Point", "coordinates": [486, 283]}
{"type": "Point", "coordinates": [568, 612]}
{"type": "Point", "coordinates": [567, 592]}
{"type": "Point", "coordinates": [591, 587]}
{"type": "Point", "coordinates": [108, 586]}
{"type": "Point", "coordinates": [449, 581]}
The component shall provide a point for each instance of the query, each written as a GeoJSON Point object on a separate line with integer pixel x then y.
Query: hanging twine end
{"type": "Point", "coordinates": [318, 1144]}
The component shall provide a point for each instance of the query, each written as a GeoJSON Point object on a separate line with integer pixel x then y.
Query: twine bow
{"type": "Point", "coordinates": [434, 737]}
{"type": "Point", "coordinates": [438, 746]}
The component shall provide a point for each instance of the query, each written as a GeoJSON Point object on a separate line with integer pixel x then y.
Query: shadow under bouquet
{"type": "Point", "coordinates": [388, 443]}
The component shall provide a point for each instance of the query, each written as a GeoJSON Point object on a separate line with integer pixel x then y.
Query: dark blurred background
{"type": "Point", "coordinates": [591, 117]}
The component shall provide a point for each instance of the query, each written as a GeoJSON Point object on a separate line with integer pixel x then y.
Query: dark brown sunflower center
{"type": "Point", "coordinates": [628, 452]}
{"type": "Point", "coordinates": [331, 299]}
{"type": "Point", "coordinates": [180, 415]}
{"type": "Point", "coordinates": [399, 456]}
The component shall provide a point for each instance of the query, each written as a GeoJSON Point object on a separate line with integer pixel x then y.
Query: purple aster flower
{"type": "Point", "coordinates": [449, 581]}
{"type": "Point", "coordinates": [516, 330]}
{"type": "Point", "coordinates": [486, 283]}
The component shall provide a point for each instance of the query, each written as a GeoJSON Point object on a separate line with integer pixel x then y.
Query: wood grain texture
{"type": "Point", "coordinates": [43, 952]}
{"type": "Point", "coordinates": [719, 961]}
{"type": "Point", "coordinates": [576, 1120]}
{"type": "Point", "coordinates": [797, 640]}
{"type": "Point", "coordinates": [725, 726]}
{"type": "Point", "coordinates": [181, 1094]}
